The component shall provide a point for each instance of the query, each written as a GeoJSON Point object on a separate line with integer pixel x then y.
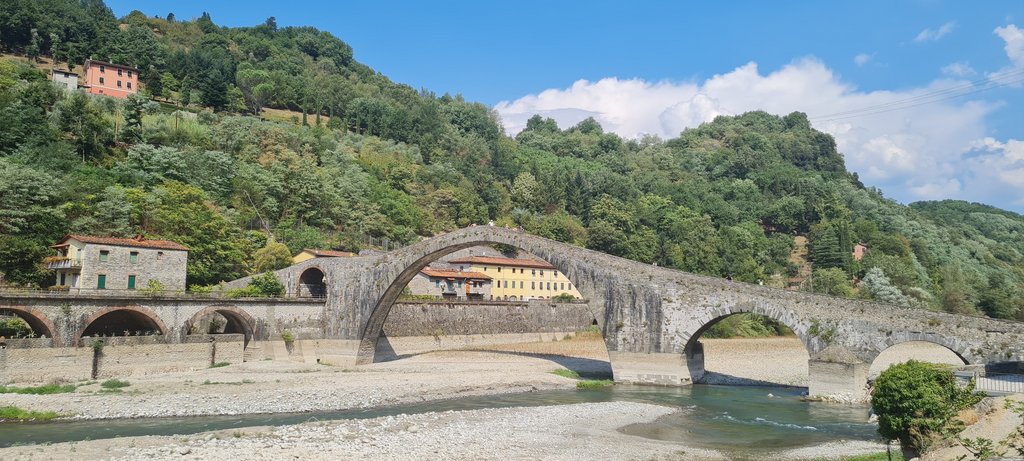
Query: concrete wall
{"type": "Point", "coordinates": [22, 361]}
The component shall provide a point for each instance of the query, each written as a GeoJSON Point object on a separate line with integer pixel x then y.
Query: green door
{"type": "Point", "coordinates": [131, 282]}
{"type": "Point", "coordinates": [101, 282]}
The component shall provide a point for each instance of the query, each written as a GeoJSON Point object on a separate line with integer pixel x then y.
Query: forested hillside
{"type": "Point", "coordinates": [201, 167]}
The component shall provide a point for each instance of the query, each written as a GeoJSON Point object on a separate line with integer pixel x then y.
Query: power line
{"type": "Point", "coordinates": [927, 98]}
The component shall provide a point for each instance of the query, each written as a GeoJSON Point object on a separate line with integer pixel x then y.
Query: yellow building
{"type": "Point", "coordinates": [519, 279]}
{"type": "Point", "coordinates": [308, 254]}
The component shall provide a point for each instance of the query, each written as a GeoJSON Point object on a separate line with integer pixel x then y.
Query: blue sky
{"type": "Point", "coordinates": [659, 67]}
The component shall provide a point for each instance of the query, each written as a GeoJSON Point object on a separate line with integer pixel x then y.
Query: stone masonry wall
{"type": "Point", "coordinates": [169, 270]}
{"type": "Point", "coordinates": [430, 318]}
{"type": "Point", "coordinates": [120, 358]}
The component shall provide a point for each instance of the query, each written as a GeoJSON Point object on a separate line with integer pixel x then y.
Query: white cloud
{"type": "Point", "coordinates": [920, 152]}
{"type": "Point", "coordinates": [959, 69]}
{"type": "Point", "coordinates": [929, 35]}
{"type": "Point", "coordinates": [862, 58]}
{"type": "Point", "coordinates": [1014, 38]}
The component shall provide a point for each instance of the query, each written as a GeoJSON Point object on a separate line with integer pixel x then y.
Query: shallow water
{"type": "Point", "coordinates": [731, 418]}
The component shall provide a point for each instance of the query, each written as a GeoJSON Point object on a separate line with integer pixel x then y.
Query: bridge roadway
{"type": "Point", "coordinates": [651, 317]}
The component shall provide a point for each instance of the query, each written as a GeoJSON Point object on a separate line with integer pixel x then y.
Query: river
{"type": "Point", "coordinates": [737, 419]}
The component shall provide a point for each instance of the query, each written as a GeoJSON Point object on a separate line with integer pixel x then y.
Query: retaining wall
{"type": "Point", "coordinates": [22, 361]}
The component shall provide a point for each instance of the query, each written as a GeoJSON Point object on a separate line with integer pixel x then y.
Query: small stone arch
{"type": "Point", "coordinates": [239, 321]}
{"type": "Point", "coordinates": [136, 313]}
{"type": "Point", "coordinates": [35, 319]}
{"type": "Point", "coordinates": [312, 283]}
{"type": "Point", "coordinates": [961, 349]}
{"type": "Point", "coordinates": [788, 318]}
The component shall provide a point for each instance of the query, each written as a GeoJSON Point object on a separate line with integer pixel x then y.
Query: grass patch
{"type": "Point", "coordinates": [566, 373]}
{"type": "Point", "coordinates": [114, 384]}
{"type": "Point", "coordinates": [591, 384]}
{"type": "Point", "coordinates": [18, 414]}
{"type": "Point", "coordinates": [39, 390]}
{"type": "Point", "coordinates": [220, 364]}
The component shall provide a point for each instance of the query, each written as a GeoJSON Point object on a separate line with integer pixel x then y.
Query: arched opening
{"type": "Point", "coordinates": [24, 323]}
{"type": "Point", "coordinates": [125, 321]}
{"type": "Point", "coordinates": [922, 351]}
{"type": "Point", "coordinates": [472, 280]}
{"type": "Point", "coordinates": [747, 347]}
{"type": "Point", "coordinates": [218, 320]}
{"type": "Point", "coordinates": [312, 283]}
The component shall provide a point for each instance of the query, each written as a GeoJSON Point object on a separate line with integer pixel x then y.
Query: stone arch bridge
{"type": "Point", "coordinates": [651, 317]}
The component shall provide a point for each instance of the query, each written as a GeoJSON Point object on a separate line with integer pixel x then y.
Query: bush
{"type": "Point", "coordinates": [39, 390]}
{"type": "Point", "coordinates": [14, 327]}
{"type": "Point", "coordinates": [288, 336]}
{"type": "Point", "coordinates": [11, 413]}
{"type": "Point", "coordinates": [916, 404]}
{"type": "Point", "coordinates": [563, 298]}
{"type": "Point", "coordinates": [267, 284]}
{"type": "Point", "coordinates": [114, 384]}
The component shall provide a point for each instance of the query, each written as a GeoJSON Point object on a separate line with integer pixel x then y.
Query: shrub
{"type": "Point", "coordinates": [267, 284]}
{"type": "Point", "coordinates": [11, 413]}
{"type": "Point", "coordinates": [114, 384]}
{"type": "Point", "coordinates": [288, 336]}
{"type": "Point", "coordinates": [916, 403]}
{"type": "Point", "coordinates": [220, 364]}
{"type": "Point", "coordinates": [591, 384]}
{"type": "Point", "coordinates": [14, 327]}
{"type": "Point", "coordinates": [563, 298]}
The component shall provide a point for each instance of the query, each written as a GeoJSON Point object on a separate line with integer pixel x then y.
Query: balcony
{"type": "Point", "coordinates": [63, 263]}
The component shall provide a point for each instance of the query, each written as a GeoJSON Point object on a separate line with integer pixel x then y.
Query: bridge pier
{"type": "Point", "coordinates": [837, 379]}
{"type": "Point", "coordinates": [659, 368]}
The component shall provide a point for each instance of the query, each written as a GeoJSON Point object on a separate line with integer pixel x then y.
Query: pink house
{"type": "Point", "coordinates": [111, 79]}
{"type": "Point", "coordinates": [858, 251]}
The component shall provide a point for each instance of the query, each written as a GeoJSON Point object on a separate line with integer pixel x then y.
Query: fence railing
{"type": "Point", "coordinates": [999, 383]}
{"type": "Point", "coordinates": [141, 293]}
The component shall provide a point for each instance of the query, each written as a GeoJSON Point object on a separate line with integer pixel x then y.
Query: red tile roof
{"type": "Point", "coordinates": [329, 253]}
{"type": "Point", "coordinates": [451, 273]}
{"type": "Point", "coordinates": [137, 241]}
{"type": "Point", "coordinates": [492, 261]}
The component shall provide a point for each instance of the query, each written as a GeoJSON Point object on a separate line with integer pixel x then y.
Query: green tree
{"type": "Point", "coordinates": [878, 287]}
{"type": "Point", "coordinates": [916, 404]}
{"type": "Point", "coordinates": [832, 281]}
{"type": "Point", "coordinates": [273, 256]}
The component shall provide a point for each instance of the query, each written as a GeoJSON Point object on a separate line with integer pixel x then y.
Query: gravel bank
{"type": "Point", "coordinates": [581, 431]}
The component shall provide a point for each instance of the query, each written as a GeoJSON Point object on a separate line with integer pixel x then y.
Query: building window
{"type": "Point", "coordinates": [437, 283]}
{"type": "Point", "coordinates": [101, 80]}
{"type": "Point", "coordinates": [522, 284]}
{"type": "Point", "coordinates": [129, 76]}
{"type": "Point", "coordinates": [131, 282]}
{"type": "Point", "coordinates": [485, 268]}
{"type": "Point", "coordinates": [102, 69]}
{"type": "Point", "coordinates": [118, 72]}
{"type": "Point", "coordinates": [506, 284]}
{"type": "Point", "coordinates": [133, 257]}
{"type": "Point", "coordinates": [533, 271]}
{"type": "Point", "coordinates": [541, 273]}
{"type": "Point", "coordinates": [119, 84]}
{"type": "Point", "coordinates": [159, 255]}
{"type": "Point", "coordinates": [533, 285]}
{"type": "Point", "coordinates": [129, 85]}
{"type": "Point", "coordinates": [104, 255]}
{"type": "Point", "coordinates": [62, 278]}
{"type": "Point", "coordinates": [499, 269]}
{"type": "Point", "coordinates": [101, 282]}
{"type": "Point", "coordinates": [549, 286]}
{"type": "Point", "coordinates": [563, 286]}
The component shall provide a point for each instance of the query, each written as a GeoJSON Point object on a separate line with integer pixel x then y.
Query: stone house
{"type": "Point", "coordinates": [65, 79]}
{"type": "Point", "coordinates": [111, 79]}
{"type": "Point", "coordinates": [450, 283]}
{"type": "Point", "coordinates": [109, 263]}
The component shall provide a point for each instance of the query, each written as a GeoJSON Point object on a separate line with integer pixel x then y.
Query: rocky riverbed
{"type": "Point", "coordinates": [556, 432]}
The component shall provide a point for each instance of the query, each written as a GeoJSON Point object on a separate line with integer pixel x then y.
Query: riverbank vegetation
{"type": "Point", "coordinates": [12, 413]}
{"type": "Point", "coordinates": [370, 162]}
